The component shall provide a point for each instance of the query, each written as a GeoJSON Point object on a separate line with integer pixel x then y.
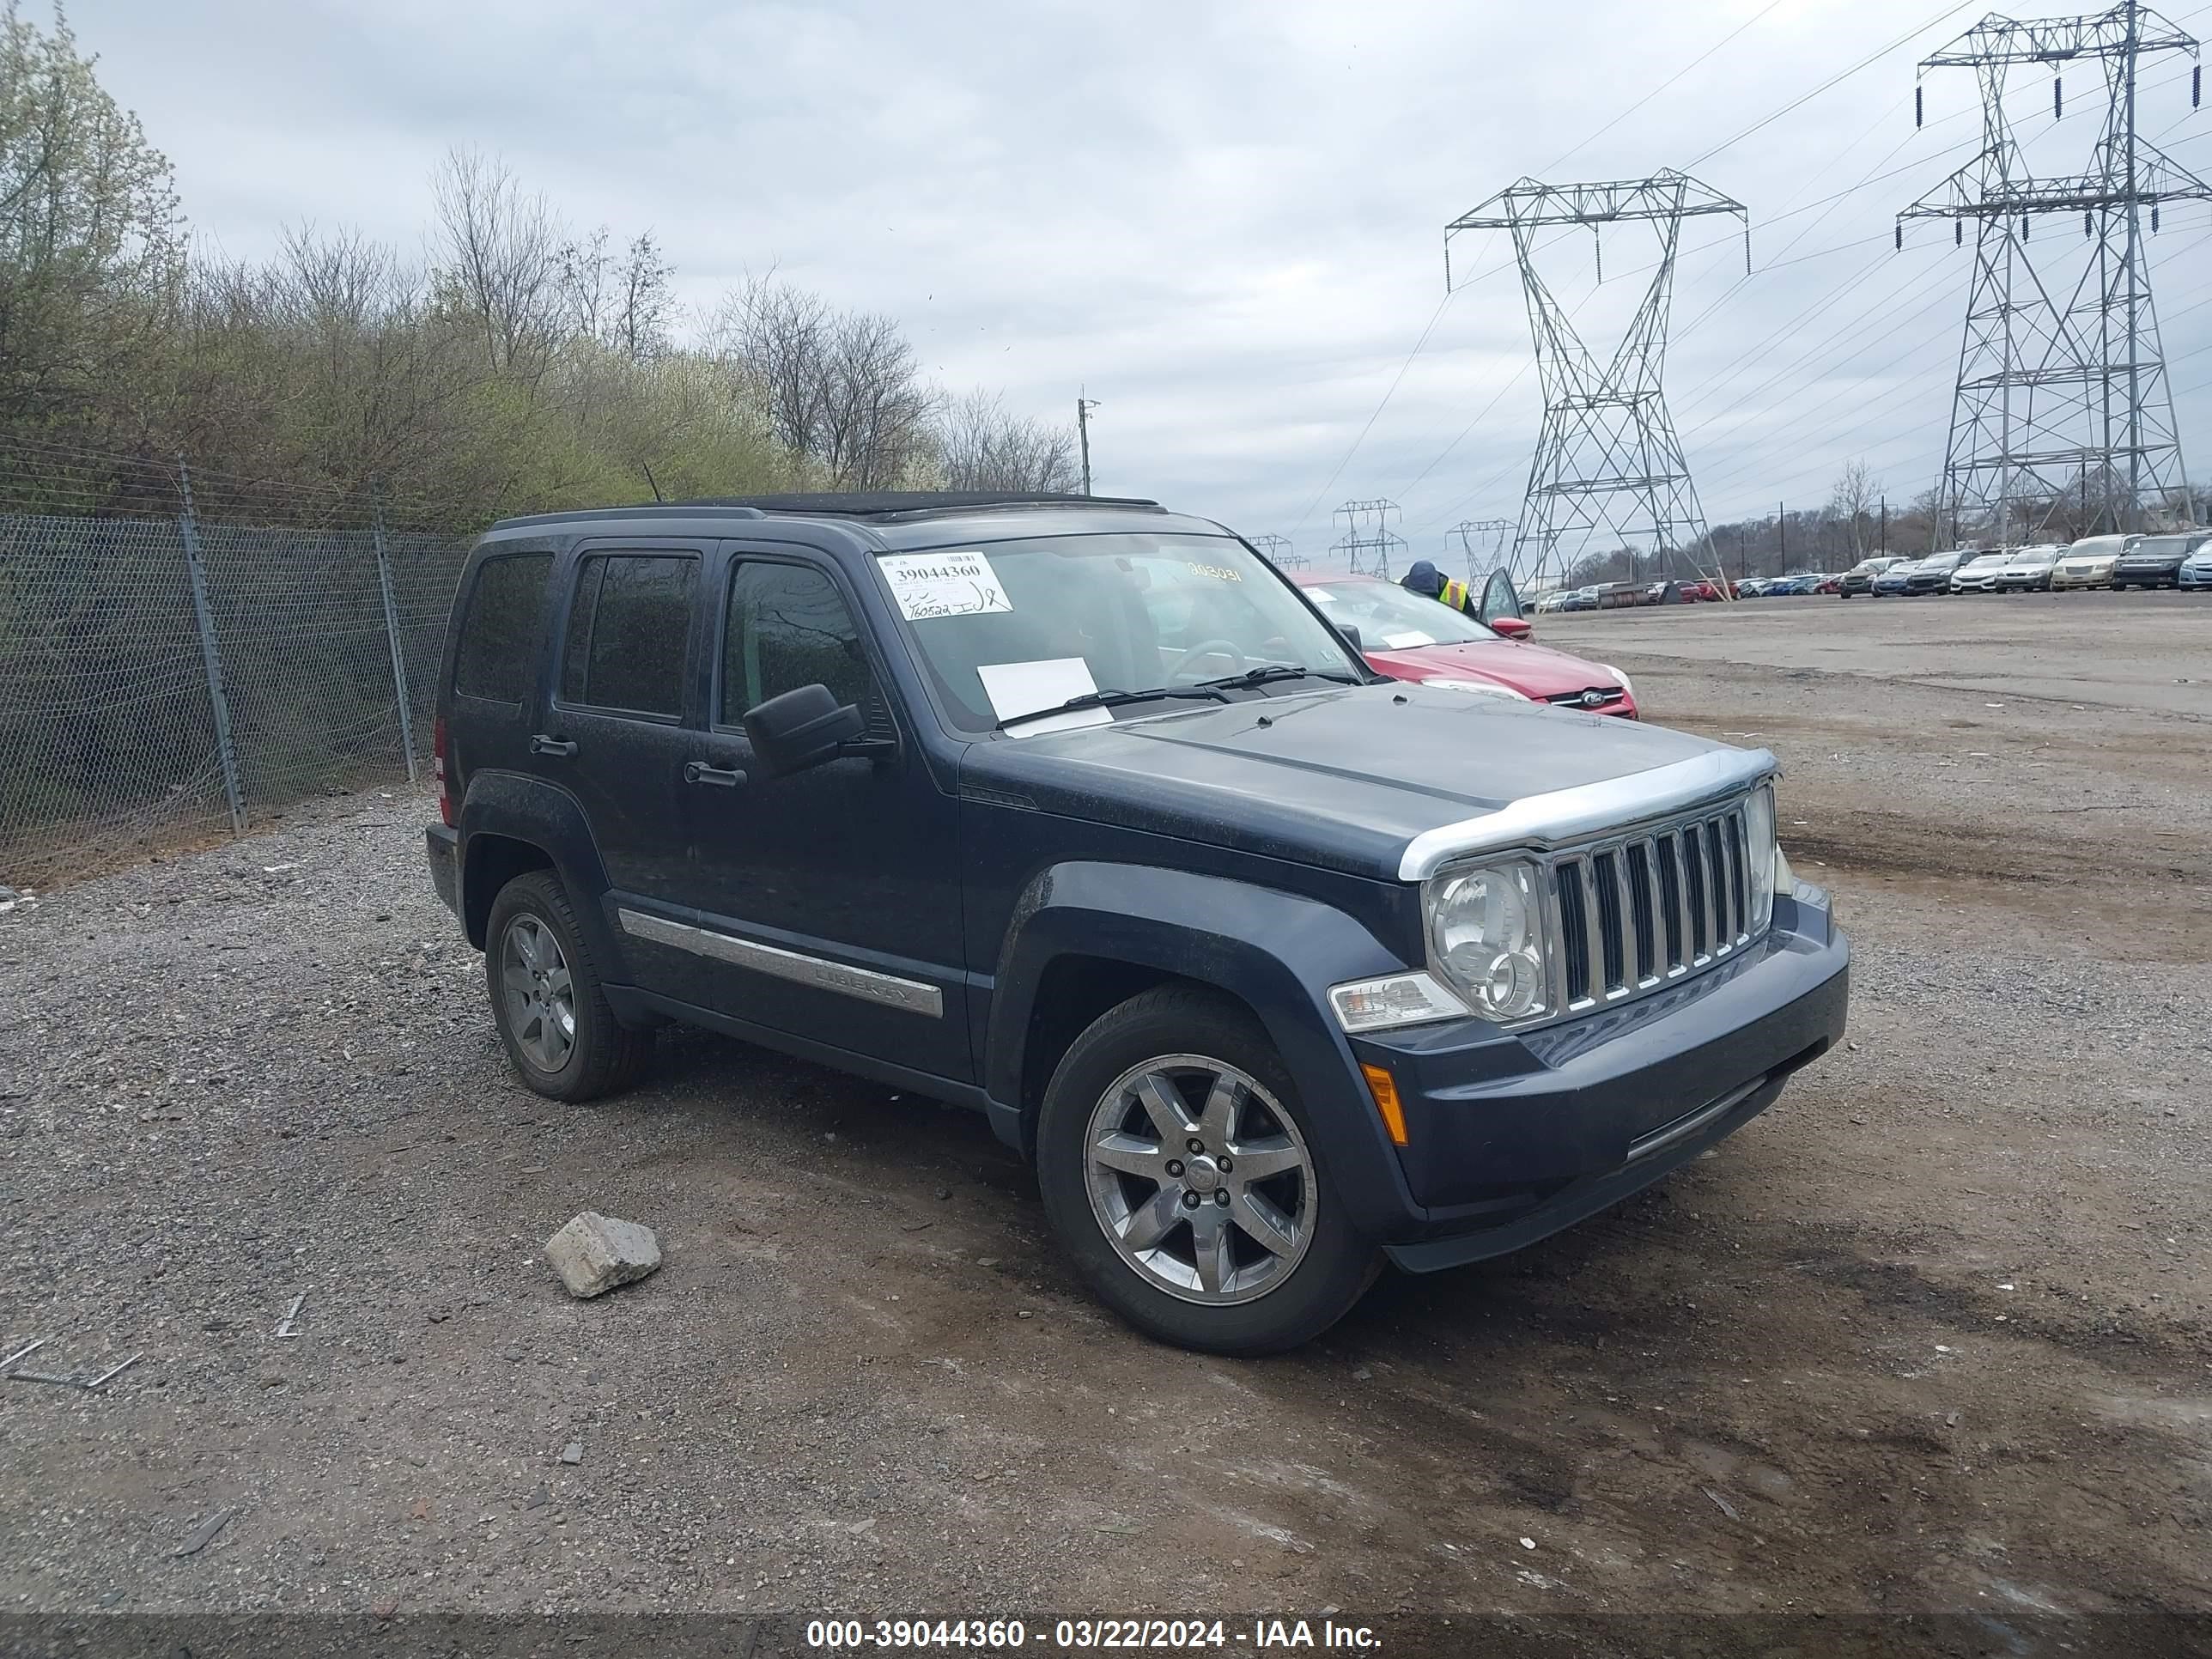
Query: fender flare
{"type": "Point", "coordinates": [546, 816]}
{"type": "Point", "coordinates": [1276, 952]}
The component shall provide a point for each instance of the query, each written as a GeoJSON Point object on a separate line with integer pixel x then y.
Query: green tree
{"type": "Point", "coordinates": [91, 243]}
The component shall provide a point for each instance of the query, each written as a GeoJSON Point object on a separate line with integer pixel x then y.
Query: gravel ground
{"type": "Point", "coordinates": [1930, 1336]}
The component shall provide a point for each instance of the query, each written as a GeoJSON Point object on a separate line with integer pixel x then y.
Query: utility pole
{"type": "Point", "coordinates": [1782, 531]}
{"type": "Point", "coordinates": [1885, 523]}
{"type": "Point", "coordinates": [1608, 461]}
{"type": "Point", "coordinates": [1083, 407]}
{"type": "Point", "coordinates": [2043, 364]}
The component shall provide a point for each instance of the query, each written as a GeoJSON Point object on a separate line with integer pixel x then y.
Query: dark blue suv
{"type": "Point", "coordinates": [1075, 811]}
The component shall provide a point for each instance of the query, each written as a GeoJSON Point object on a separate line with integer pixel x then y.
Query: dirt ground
{"type": "Point", "coordinates": [1931, 1336]}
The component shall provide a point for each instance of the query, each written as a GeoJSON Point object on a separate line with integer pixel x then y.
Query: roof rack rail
{"type": "Point", "coordinates": [880, 505]}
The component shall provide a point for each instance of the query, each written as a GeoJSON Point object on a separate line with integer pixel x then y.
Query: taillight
{"type": "Point", "coordinates": [438, 770]}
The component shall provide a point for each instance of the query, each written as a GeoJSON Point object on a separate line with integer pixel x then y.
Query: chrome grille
{"type": "Point", "coordinates": [1647, 908]}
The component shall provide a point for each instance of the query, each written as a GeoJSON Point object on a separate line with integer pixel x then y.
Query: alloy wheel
{"type": "Point", "coordinates": [1199, 1180]}
{"type": "Point", "coordinates": [541, 997]}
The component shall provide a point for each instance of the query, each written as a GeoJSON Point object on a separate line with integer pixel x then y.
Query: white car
{"type": "Point", "coordinates": [1979, 573]}
{"type": "Point", "coordinates": [2196, 568]}
{"type": "Point", "coordinates": [2030, 567]}
{"type": "Point", "coordinates": [2089, 561]}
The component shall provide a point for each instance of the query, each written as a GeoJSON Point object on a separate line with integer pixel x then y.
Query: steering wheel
{"type": "Point", "coordinates": [1210, 648]}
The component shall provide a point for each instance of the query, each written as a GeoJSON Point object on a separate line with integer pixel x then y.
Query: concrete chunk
{"type": "Point", "coordinates": [595, 1253]}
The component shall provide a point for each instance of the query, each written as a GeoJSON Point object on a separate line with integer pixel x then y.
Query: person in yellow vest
{"type": "Point", "coordinates": [1426, 580]}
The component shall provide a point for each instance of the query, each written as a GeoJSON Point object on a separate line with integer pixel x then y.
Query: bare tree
{"type": "Point", "coordinates": [638, 324]}
{"type": "Point", "coordinates": [585, 278]}
{"type": "Point", "coordinates": [1856, 493]}
{"type": "Point", "coordinates": [876, 415]}
{"type": "Point", "coordinates": [777, 335]}
{"type": "Point", "coordinates": [842, 388]}
{"type": "Point", "coordinates": [502, 261]}
{"type": "Point", "coordinates": [619, 301]}
{"type": "Point", "coordinates": [982, 447]}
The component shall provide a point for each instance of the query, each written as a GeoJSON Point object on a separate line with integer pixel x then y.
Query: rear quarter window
{"type": "Point", "coordinates": [501, 627]}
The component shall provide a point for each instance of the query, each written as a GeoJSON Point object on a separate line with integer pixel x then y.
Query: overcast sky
{"type": "Point", "coordinates": [1225, 218]}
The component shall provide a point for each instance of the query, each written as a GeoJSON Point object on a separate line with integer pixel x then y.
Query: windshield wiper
{"type": "Point", "coordinates": [1267, 673]}
{"type": "Point", "coordinates": [1118, 699]}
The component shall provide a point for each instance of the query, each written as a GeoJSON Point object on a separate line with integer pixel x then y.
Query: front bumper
{"type": "Point", "coordinates": [2196, 578]}
{"type": "Point", "coordinates": [1511, 1138]}
{"type": "Point", "coordinates": [2098, 577]}
{"type": "Point", "coordinates": [2155, 575]}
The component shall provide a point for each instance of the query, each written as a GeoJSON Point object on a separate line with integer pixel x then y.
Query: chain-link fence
{"type": "Point", "coordinates": [167, 676]}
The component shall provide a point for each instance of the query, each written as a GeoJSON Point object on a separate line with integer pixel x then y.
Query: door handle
{"type": "Point", "coordinates": [542, 744]}
{"type": "Point", "coordinates": [721, 777]}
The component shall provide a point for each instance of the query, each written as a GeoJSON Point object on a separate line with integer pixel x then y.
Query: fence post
{"type": "Point", "coordinates": [211, 659]}
{"type": "Point", "coordinates": [392, 631]}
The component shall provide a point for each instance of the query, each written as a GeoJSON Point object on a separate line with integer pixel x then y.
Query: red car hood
{"type": "Point", "coordinates": [1535, 671]}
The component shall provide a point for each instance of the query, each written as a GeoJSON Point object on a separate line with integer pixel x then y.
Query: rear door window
{"type": "Point", "coordinates": [629, 627]}
{"type": "Point", "coordinates": [501, 627]}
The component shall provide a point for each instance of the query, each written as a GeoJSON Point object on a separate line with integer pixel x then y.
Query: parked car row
{"type": "Point", "coordinates": [1611, 596]}
{"type": "Point", "coordinates": [2180, 558]}
{"type": "Point", "coordinates": [2173, 559]}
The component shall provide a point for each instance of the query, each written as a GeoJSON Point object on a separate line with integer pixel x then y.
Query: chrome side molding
{"type": "Point", "coordinates": [864, 983]}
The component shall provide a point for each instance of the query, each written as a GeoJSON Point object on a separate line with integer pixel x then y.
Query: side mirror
{"type": "Point", "coordinates": [1512, 627]}
{"type": "Point", "coordinates": [800, 728]}
{"type": "Point", "coordinates": [1351, 632]}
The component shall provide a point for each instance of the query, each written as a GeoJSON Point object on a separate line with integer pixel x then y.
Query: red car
{"type": "Point", "coordinates": [1410, 638]}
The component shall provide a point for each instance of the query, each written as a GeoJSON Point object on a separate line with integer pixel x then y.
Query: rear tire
{"type": "Point", "coordinates": [1141, 1212]}
{"type": "Point", "coordinates": [547, 997]}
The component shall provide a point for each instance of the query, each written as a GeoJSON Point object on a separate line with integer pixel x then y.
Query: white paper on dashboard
{"type": "Point", "coordinates": [926, 585]}
{"type": "Point", "coordinates": [1407, 642]}
{"type": "Point", "coordinates": [1023, 687]}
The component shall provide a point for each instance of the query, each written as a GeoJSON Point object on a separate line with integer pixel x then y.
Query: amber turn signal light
{"type": "Point", "coordinates": [1384, 1088]}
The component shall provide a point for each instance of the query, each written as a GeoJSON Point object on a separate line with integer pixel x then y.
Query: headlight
{"type": "Point", "coordinates": [1481, 688]}
{"type": "Point", "coordinates": [1762, 852]}
{"type": "Point", "coordinates": [1486, 938]}
{"type": "Point", "coordinates": [1619, 677]}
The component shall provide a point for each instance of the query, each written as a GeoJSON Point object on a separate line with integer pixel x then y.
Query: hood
{"type": "Point", "coordinates": [1535, 671]}
{"type": "Point", "coordinates": [1342, 779]}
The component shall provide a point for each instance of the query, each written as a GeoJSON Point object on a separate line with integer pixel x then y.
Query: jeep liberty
{"type": "Point", "coordinates": [1076, 811]}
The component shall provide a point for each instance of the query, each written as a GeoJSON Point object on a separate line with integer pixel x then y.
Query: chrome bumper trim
{"type": "Point", "coordinates": [1559, 816]}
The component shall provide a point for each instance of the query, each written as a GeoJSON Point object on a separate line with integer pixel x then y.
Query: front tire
{"type": "Point", "coordinates": [547, 997]}
{"type": "Point", "coordinates": [1180, 1171]}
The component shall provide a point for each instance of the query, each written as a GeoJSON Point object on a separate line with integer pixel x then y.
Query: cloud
{"type": "Point", "coordinates": [1224, 220]}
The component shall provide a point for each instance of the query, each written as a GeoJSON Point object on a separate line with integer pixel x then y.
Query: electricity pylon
{"type": "Point", "coordinates": [2060, 390]}
{"type": "Point", "coordinates": [1494, 532]}
{"type": "Point", "coordinates": [1368, 540]}
{"type": "Point", "coordinates": [1277, 552]}
{"type": "Point", "coordinates": [1607, 459]}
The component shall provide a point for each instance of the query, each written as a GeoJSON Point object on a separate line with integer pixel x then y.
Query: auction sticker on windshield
{"type": "Point", "coordinates": [927, 585]}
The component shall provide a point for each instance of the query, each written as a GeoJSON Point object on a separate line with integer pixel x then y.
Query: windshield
{"type": "Point", "coordinates": [1390, 618]}
{"type": "Point", "coordinates": [2159, 547]}
{"type": "Point", "coordinates": [1008, 628]}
